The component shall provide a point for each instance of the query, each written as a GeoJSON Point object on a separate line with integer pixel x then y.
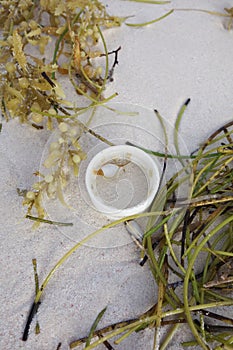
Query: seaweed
{"type": "Point", "coordinates": [201, 223]}
{"type": "Point", "coordinates": [29, 82]}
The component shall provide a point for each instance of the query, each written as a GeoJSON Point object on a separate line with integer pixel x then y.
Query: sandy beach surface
{"type": "Point", "coordinates": [187, 55]}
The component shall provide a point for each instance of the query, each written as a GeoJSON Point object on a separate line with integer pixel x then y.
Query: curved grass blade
{"type": "Point", "coordinates": [150, 22]}
{"type": "Point", "coordinates": [176, 129]}
{"type": "Point", "coordinates": [94, 326]}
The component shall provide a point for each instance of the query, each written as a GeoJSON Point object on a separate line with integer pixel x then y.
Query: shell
{"type": "Point", "coordinates": [108, 170]}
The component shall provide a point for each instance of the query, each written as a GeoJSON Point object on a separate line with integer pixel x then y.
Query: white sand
{"type": "Point", "coordinates": [189, 54]}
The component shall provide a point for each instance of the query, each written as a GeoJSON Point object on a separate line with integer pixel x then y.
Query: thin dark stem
{"type": "Point", "coordinates": [115, 63]}
{"type": "Point", "coordinates": [34, 218]}
{"type": "Point", "coordinates": [46, 77]}
{"type": "Point", "coordinates": [145, 258]}
{"type": "Point", "coordinates": [32, 312]}
{"type": "Point", "coordinates": [105, 343]}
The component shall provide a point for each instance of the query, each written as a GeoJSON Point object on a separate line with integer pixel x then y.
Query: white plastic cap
{"type": "Point", "coordinates": [124, 153]}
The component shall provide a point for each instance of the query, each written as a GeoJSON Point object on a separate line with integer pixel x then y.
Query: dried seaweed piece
{"type": "Point", "coordinates": [17, 50]}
